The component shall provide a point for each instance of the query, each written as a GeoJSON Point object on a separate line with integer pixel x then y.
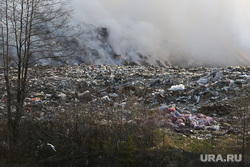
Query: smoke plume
{"type": "Point", "coordinates": [193, 32]}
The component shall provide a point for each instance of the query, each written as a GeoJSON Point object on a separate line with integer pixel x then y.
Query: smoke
{"type": "Point", "coordinates": [193, 32]}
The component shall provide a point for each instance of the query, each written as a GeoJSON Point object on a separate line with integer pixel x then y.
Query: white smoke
{"type": "Point", "coordinates": [209, 32]}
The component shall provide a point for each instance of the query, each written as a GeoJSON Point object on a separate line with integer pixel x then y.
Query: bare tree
{"type": "Point", "coordinates": [242, 118]}
{"type": "Point", "coordinates": [245, 115]}
{"type": "Point", "coordinates": [30, 30]}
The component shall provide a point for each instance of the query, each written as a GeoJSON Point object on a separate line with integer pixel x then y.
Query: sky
{"type": "Point", "coordinates": [212, 32]}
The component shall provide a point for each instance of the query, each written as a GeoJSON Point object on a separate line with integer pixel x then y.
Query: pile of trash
{"type": "Point", "coordinates": [180, 92]}
{"type": "Point", "coordinates": [165, 116]}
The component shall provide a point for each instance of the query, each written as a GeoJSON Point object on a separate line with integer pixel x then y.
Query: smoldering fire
{"type": "Point", "coordinates": [209, 32]}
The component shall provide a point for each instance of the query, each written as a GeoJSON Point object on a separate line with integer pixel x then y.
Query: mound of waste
{"type": "Point", "coordinates": [199, 98]}
{"type": "Point", "coordinates": [170, 117]}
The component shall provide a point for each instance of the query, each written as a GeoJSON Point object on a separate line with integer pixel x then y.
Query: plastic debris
{"type": "Point", "coordinates": [53, 147]}
{"type": "Point", "coordinates": [177, 87]}
{"type": "Point", "coordinates": [191, 98]}
{"type": "Point", "coordinates": [173, 118]}
{"type": "Point", "coordinates": [218, 76]}
{"type": "Point", "coordinates": [208, 136]}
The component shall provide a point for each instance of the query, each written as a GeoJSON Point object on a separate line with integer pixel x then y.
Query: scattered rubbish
{"type": "Point", "coordinates": [177, 87]}
{"type": "Point", "coordinates": [195, 98]}
{"type": "Point", "coordinates": [204, 80]}
{"type": "Point", "coordinates": [53, 147]}
{"type": "Point", "coordinates": [208, 136]}
{"type": "Point", "coordinates": [218, 76]}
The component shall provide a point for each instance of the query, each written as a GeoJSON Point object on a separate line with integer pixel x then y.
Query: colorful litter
{"type": "Point", "coordinates": [166, 116]}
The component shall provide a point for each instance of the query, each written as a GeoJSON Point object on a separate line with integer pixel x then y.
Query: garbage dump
{"type": "Point", "coordinates": [172, 97]}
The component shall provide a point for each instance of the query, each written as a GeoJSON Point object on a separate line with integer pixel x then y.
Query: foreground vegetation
{"type": "Point", "coordinates": [79, 141]}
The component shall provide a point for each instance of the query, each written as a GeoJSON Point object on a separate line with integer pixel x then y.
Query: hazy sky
{"type": "Point", "coordinates": [211, 31]}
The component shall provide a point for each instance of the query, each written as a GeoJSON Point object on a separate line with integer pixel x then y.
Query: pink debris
{"type": "Point", "coordinates": [181, 117]}
{"type": "Point", "coordinates": [186, 112]}
{"type": "Point", "coordinates": [210, 119]}
{"type": "Point", "coordinates": [181, 125]}
{"type": "Point", "coordinates": [200, 115]}
{"type": "Point", "coordinates": [206, 123]}
{"type": "Point", "coordinates": [193, 124]}
{"type": "Point", "coordinates": [169, 124]}
{"type": "Point", "coordinates": [178, 121]}
{"type": "Point", "coordinates": [186, 116]}
{"type": "Point", "coordinates": [164, 116]}
{"type": "Point", "coordinates": [172, 109]}
{"type": "Point", "coordinates": [172, 117]}
{"type": "Point", "coordinates": [200, 120]}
